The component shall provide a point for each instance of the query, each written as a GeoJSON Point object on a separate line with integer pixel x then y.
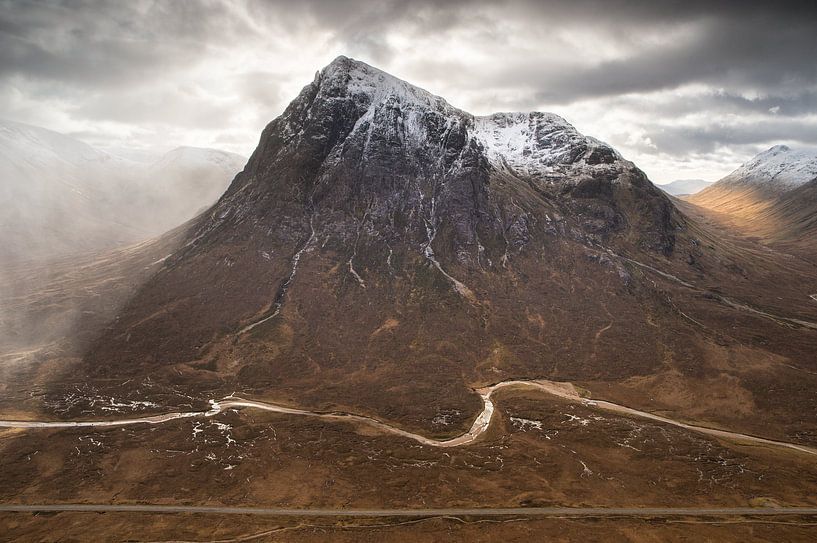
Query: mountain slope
{"type": "Point", "coordinates": [790, 222]}
{"type": "Point", "coordinates": [60, 196]}
{"type": "Point", "coordinates": [681, 187]}
{"type": "Point", "coordinates": [755, 184]}
{"type": "Point", "coordinates": [384, 251]}
{"type": "Point", "coordinates": [770, 197]}
{"type": "Point", "coordinates": [797, 209]}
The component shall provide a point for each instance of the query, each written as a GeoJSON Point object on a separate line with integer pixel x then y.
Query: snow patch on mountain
{"type": "Point", "coordinates": [376, 86]}
{"type": "Point", "coordinates": [533, 144]}
{"type": "Point", "coordinates": [540, 145]}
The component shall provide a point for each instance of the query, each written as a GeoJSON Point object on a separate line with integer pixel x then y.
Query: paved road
{"type": "Point", "coordinates": [419, 513]}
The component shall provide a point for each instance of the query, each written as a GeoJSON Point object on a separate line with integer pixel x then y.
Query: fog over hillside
{"type": "Point", "coordinates": [60, 196]}
{"type": "Point", "coordinates": [68, 210]}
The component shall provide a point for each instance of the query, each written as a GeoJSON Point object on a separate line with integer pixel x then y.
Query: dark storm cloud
{"type": "Point", "coordinates": [766, 47]}
{"type": "Point", "coordinates": [760, 44]}
{"type": "Point", "coordinates": [132, 62]}
{"type": "Point", "coordinates": [710, 137]}
{"type": "Point", "coordinates": [89, 43]}
{"type": "Point", "coordinates": [795, 105]}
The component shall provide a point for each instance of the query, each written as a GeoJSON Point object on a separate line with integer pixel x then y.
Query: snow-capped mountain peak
{"type": "Point", "coordinates": [778, 168]}
{"type": "Point", "coordinates": [372, 86]}
{"type": "Point", "coordinates": [535, 144]}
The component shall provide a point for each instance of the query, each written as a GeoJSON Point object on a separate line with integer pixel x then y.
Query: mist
{"type": "Point", "coordinates": [80, 228]}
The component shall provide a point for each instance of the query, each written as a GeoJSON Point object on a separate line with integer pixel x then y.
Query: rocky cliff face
{"type": "Point", "coordinates": [361, 148]}
{"type": "Point", "coordinates": [378, 230]}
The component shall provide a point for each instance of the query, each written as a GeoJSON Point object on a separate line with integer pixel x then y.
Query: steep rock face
{"type": "Point", "coordinates": [378, 231]}
{"type": "Point", "coordinates": [360, 142]}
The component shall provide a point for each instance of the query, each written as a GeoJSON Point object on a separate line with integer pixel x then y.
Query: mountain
{"type": "Point", "coordinates": [60, 196]}
{"type": "Point", "coordinates": [682, 187]}
{"type": "Point", "coordinates": [771, 196]}
{"type": "Point", "coordinates": [756, 183]}
{"type": "Point", "coordinates": [50, 181]}
{"type": "Point", "coordinates": [379, 236]}
{"type": "Point", "coordinates": [777, 169]}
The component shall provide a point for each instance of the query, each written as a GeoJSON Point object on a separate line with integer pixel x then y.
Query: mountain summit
{"type": "Point", "coordinates": [377, 230]}
{"type": "Point", "coordinates": [779, 168]}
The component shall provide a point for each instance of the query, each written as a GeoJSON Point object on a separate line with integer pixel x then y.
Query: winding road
{"type": "Point", "coordinates": [480, 425]}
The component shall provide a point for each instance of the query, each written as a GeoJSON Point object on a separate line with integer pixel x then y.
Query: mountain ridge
{"type": "Point", "coordinates": [779, 168]}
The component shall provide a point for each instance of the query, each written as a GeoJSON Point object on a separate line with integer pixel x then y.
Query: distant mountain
{"type": "Point", "coordinates": [683, 187]}
{"type": "Point", "coordinates": [756, 183]}
{"type": "Point", "coordinates": [183, 182]}
{"type": "Point", "coordinates": [772, 196]}
{"type": "Point", "coordinates": [59, 195]}
{"type": "Point", "coordinates": [778, 169]}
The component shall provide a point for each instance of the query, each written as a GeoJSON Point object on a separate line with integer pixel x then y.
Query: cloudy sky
{"type": "Point", "coordinates": [686, 89]}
